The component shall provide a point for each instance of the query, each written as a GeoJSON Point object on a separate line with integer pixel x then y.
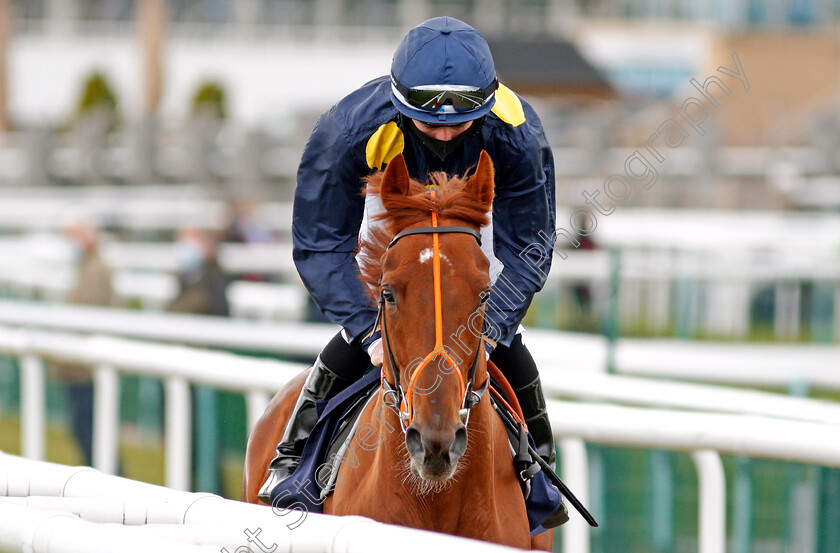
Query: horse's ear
{"type": "Point", "coordinates": [480, 185]}
{"type": "Point", "coordinates": [395, 181]}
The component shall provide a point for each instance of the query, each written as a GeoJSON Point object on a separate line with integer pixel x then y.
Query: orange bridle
{"type": "Point", "coordinates": [469, 396]}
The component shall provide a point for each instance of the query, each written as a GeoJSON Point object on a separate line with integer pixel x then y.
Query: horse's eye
{"type": "Point", "coordinates": [485, 294]}
{"type": "Point", "coordinates": [388, 296]}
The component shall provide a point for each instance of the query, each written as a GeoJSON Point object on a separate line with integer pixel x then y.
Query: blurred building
{"type": "Point", "coordinates": [548, 67]}
{"type": "Point", "coordinates": [606, 76]}
{"type": "Point", "coordinates": [644, 47]}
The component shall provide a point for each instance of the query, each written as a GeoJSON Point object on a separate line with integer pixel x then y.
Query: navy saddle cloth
{"type": "Point", "coordinates": [307, 488]}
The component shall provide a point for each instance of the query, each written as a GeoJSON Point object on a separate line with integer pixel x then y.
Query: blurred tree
{"type": "Point", "coordinates": [97, 96]}
{"type": "Point", "coordinates": [96, 117]}
{"type": "Point", "coordinates": [210, 98]}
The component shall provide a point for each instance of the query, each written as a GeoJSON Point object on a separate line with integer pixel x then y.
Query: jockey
{"type": "Point", "coordinates": [440, 107]}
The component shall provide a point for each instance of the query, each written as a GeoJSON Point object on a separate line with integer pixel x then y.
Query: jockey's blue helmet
{"type": "Point", "coordinates": [443, 73]}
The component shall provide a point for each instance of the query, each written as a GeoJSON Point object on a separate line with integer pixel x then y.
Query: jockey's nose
{"type": "Point", "coordinates": [444, 133]}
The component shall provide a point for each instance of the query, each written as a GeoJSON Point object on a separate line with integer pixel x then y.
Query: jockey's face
{"type": "Point", "coordinates": [444, 133]}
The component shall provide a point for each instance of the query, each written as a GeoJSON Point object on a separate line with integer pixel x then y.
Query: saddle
{"type": "Point", "coordinates": [331, 444]}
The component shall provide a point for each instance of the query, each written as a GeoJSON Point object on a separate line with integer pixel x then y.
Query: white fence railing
{"type": "Point", "coordinates": [699, 270]}
{"type": "Point", "coordinates": [662, 280]}
{"type": "Point", "coordinates": [746, 423]}
{"type": "Point", "coordinates": [42, 267]}
{"type": "Point", "coordinates": [240, 335]}
{"type": "Point", "coordinates": [153, 291]}
{"type": "Point", "coordinates": [768, 365]}
{"type": "Point", "coordinates": [53, 508]}
{"type": "Point", "coordinates": [176, 366]}
{"type": "Point", "coordinates": [704, 435]}
{"type": "Point", "coordinates": [53, 251]}
{"type": "Point", "coordinates": [161, 208]}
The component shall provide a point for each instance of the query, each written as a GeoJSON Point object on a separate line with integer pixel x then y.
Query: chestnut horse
{"type": "Point", "coordinates": [430, 452]}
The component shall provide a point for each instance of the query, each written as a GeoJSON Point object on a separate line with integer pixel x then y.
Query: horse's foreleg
{"type": "Point", "coordinates": [266, 434]}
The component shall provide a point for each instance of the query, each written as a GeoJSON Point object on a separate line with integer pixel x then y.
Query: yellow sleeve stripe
{"type": "Point", "coordinates": [508, 108]}
{"type": "Point", "coordinates": [383, 145]}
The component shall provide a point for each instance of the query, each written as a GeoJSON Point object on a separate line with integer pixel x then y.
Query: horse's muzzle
{"type": "Point", "coordinates": [435, 453]}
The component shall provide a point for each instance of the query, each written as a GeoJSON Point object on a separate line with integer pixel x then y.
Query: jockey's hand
{"type": "Point", "coordinates": [375, 352]}
{"type": "Point", "coordinates": [488, 348]}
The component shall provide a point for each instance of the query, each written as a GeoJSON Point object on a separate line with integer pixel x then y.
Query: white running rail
{"type": "Point", "coordinates": [744, 422]}
{"type": "Point", "coordinates": [765, 365]}
{"type": "Point", "coordinates": [48, 508]}
{"type": "Point", "coordinates": [176, 366]}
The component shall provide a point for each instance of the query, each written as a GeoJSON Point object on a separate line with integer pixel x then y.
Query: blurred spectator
{"type": "Point", "coordinates": [582, 291]}
{"type": "Point", "coordinates": [203, 283]}
{"type": "Point", "coordinates": [92, 287]}
{"type": "Point", "coordinates": [203, 289]}
{"type": "Point", "coordinates": [244, 226]}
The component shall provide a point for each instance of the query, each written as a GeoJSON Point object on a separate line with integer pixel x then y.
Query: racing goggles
{"type": "Point", "coordinates": [444, 98]}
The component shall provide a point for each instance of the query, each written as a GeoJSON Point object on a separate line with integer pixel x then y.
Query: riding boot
{"type": "Point", "coordinates": [532, 401]}
{"type": "Point", "coordinates": [322, 384]}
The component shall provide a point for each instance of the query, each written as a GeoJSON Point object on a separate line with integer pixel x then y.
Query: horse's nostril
{"type": "Point", "coordinates": [459, 444]}
{"type": "Point", "coordinates": [413, 442]}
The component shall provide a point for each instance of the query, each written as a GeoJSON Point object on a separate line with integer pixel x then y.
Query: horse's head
{"type": "Point", "coordinates": [429, 284]}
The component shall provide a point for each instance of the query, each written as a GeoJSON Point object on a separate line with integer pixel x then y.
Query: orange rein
{"type": "Point", "coordinates": [438, 349]}
{"type": "Point", "coordinates": [513, 407]}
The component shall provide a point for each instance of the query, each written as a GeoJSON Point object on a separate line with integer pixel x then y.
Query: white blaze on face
{"type": "Point", "coordinates": [426, 255]}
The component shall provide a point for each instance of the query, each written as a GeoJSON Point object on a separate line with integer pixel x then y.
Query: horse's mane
{"type": "Point", "coordinates": [450, 201]}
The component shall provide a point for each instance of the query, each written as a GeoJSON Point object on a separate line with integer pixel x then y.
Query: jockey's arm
{"type": "Point", "coordinates": [523, 230]}
{"type": "Point", "coordinates": [327, 213]}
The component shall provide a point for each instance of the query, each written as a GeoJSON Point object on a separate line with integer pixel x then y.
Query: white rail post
{"type": "Point", "coordinates": [256, 401]}
{"type": "Point", "coordinates": [787, 310]}
{"type": "Point", "coordinates": [712, 508]}
{"type": "Point", "coordinates": [575, 475]}
{"type": "Point", "coordinates": [659, 300]}
{"type": "Point", "coordinates": [106, 415]}
{"type": "Point", "coordinates": [178, 450]}
{"type": "Point", "coordinates": [33, 407]}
